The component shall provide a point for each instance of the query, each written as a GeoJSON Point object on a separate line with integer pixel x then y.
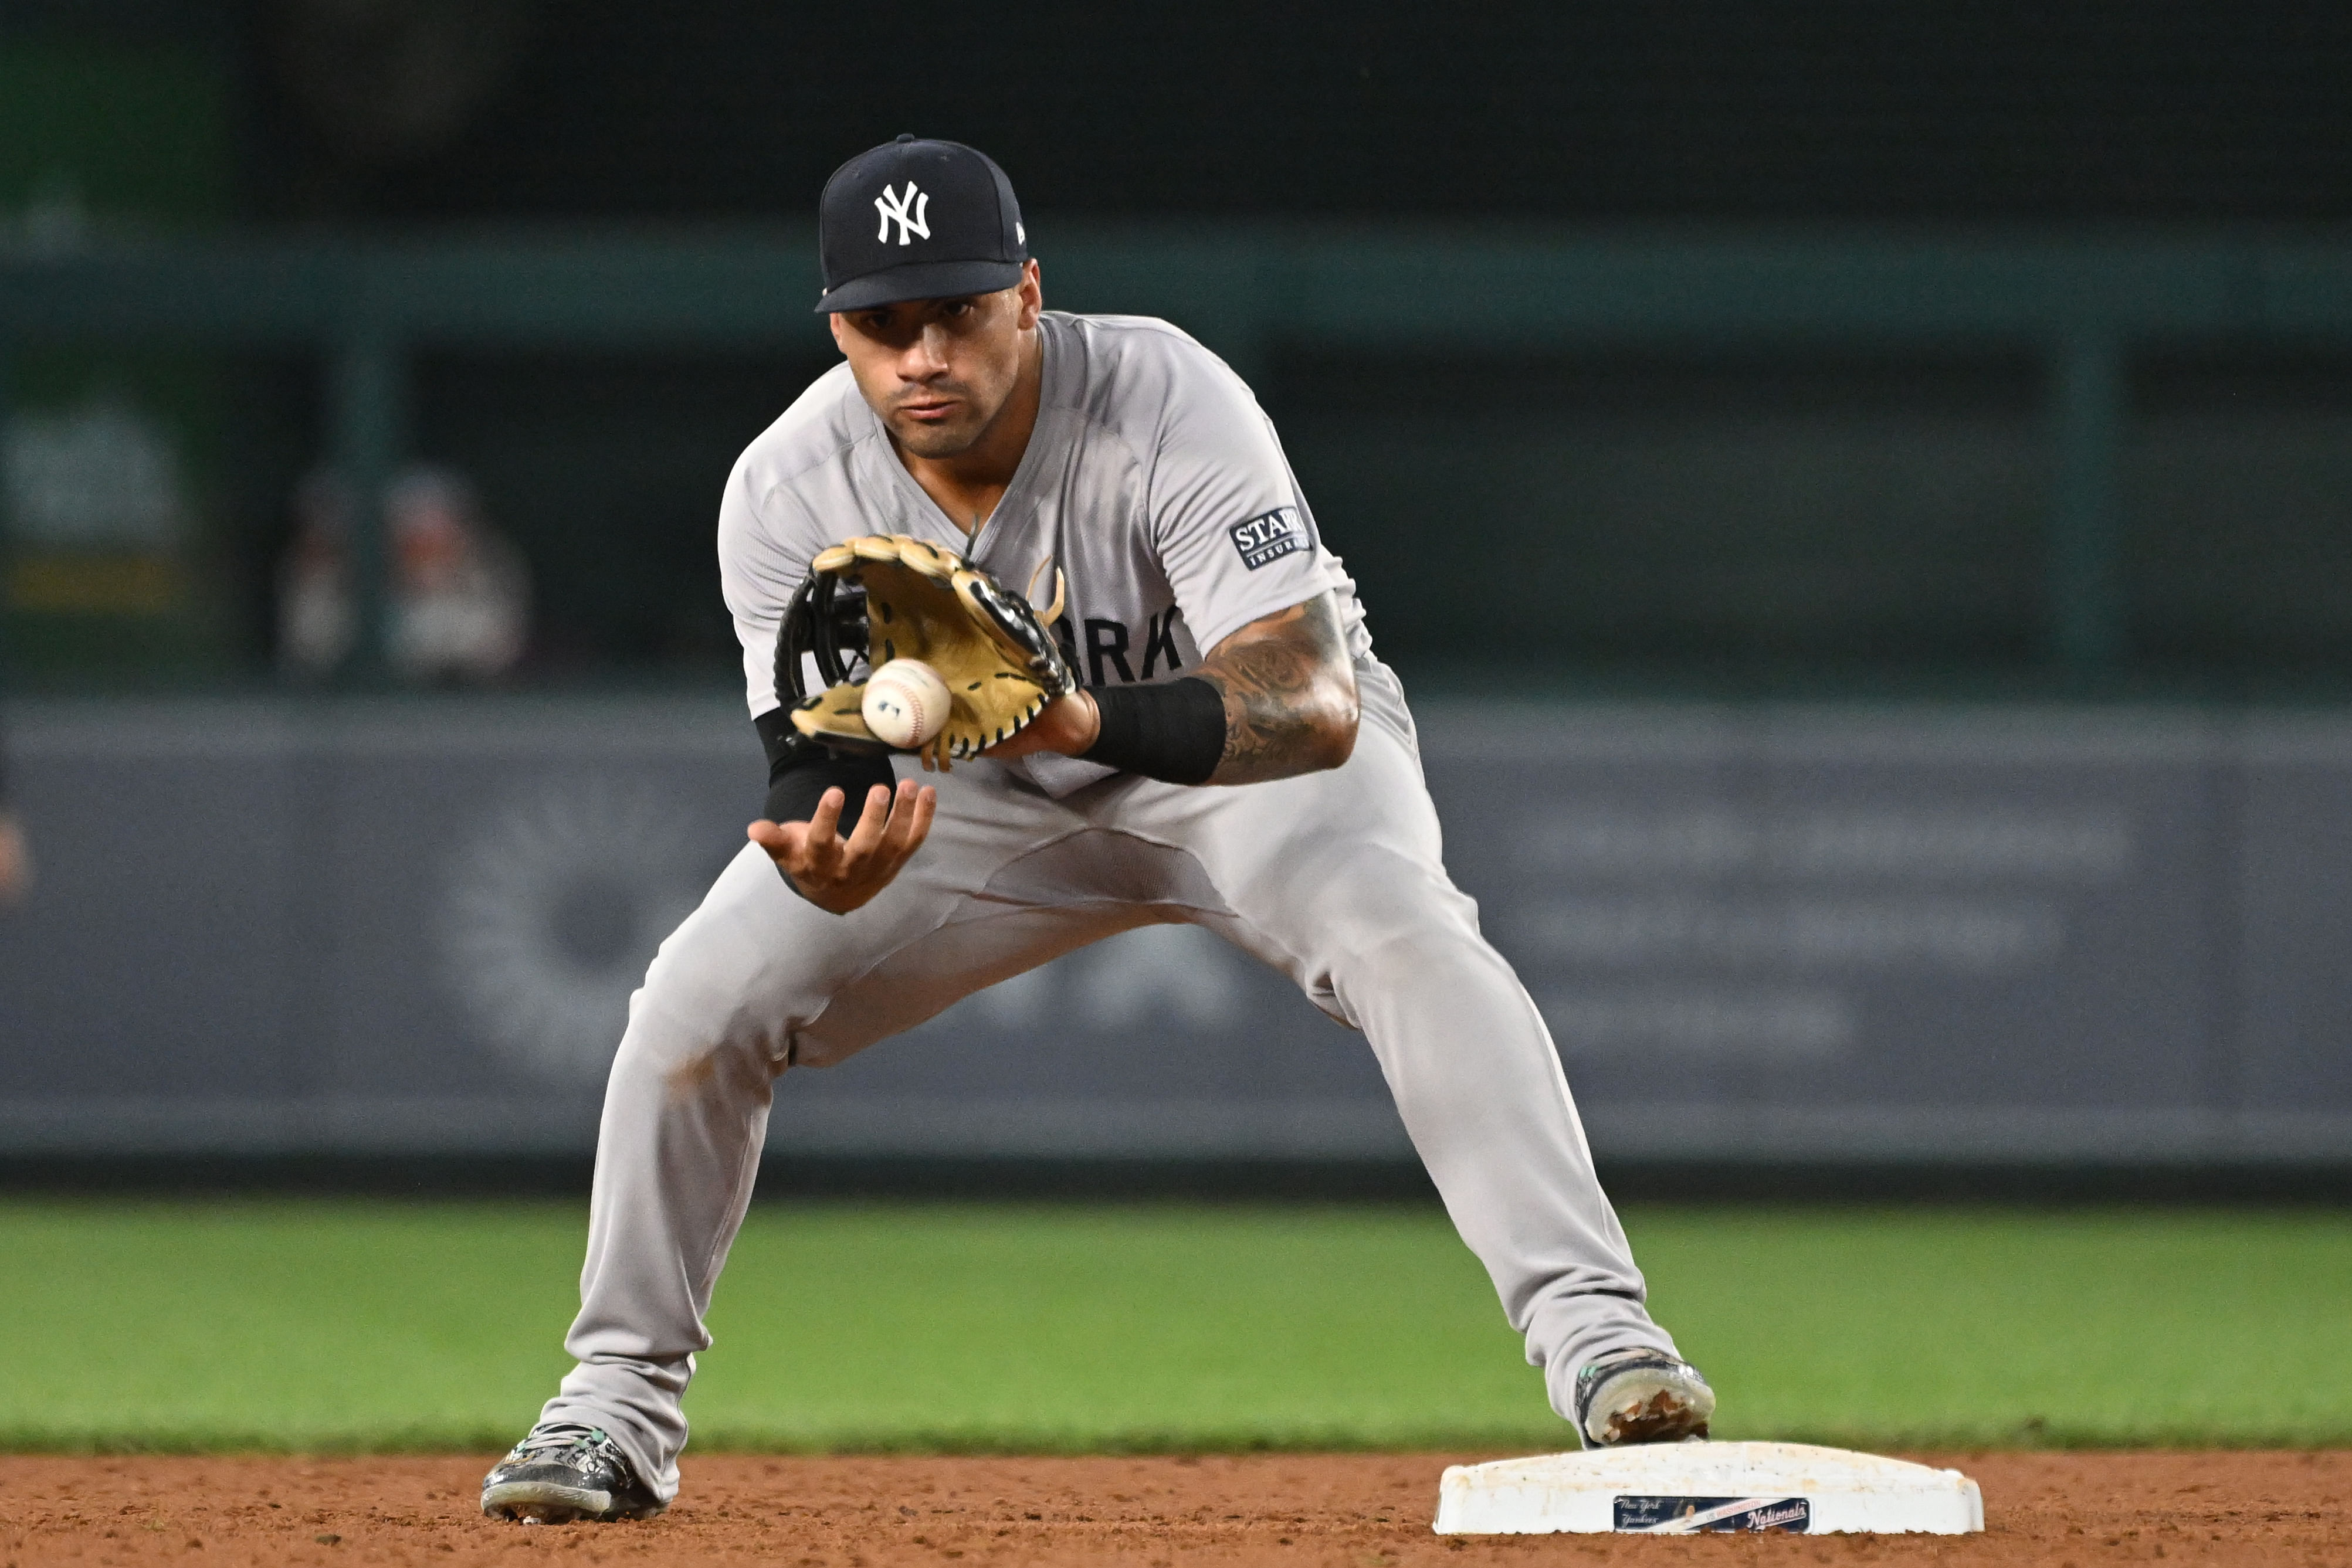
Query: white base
{"type": "Point", "coordinates": [1681, 1489]}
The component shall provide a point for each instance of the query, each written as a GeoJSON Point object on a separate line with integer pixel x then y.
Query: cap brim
{"type": "Point", "coordinates": [920, 281]}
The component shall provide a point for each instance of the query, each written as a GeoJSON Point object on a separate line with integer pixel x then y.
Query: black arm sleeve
{"type": "Point", "coordinates": [800, 771]}
{"type": "Point", "coordinates": [1174, 731]}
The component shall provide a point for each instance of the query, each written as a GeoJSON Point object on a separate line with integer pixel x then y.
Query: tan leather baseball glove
{"type": "Point", "coordinates": [1000, 661]}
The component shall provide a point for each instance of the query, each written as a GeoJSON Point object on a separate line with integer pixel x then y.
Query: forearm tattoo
{"type": "Point", "coordinates": [1290, 695]}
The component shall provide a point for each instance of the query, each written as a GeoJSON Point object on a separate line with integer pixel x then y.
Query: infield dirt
{"type": "Point", "coordinates": [1355, 1511]}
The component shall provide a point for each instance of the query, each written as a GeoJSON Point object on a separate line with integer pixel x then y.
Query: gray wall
{"type": "Point", "coordinates": [1758, 930]}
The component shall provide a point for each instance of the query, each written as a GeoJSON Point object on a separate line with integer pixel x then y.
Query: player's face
{"type": "Point", "coordinates": [939, 371]}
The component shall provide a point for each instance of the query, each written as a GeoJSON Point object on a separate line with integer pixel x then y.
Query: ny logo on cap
{"type": "Point", "coordinates": [893, 208]}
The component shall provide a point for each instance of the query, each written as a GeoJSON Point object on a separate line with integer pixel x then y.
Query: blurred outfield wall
{"type": "Point", "coordinates": [402, 925]}
{"type": "Point", "coordinates": [2035, 453]}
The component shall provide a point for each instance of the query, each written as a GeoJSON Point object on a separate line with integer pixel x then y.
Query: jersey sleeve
{"type": "Point", "coordinates": [764, 551]}
{"type": "Point", "coordinates": [1232, 530]}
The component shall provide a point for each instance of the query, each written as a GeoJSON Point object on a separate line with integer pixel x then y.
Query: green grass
{"type": "Point", "coordinates": [351, 1324]}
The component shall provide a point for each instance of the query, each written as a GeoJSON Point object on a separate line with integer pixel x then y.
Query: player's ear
{"type": "Point", "coordinates": [1032, 294]}
{"type": "Point", "coordinates": [840, 332]}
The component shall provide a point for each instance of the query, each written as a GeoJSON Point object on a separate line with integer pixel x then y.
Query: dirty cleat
{"type": "Point", "coordinates": [562, 1472]}
{"type": "Point", "coordinates": [1640, 1397]}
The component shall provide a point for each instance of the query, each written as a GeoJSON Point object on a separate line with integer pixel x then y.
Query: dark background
{"type": "Point", "coordinates": [1715, 518]}
{"type": "Point", "coordinates": [1708, 110]}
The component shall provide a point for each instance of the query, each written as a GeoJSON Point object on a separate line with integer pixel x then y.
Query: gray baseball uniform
{"type": "Point", "coordinates": [1155, 482]}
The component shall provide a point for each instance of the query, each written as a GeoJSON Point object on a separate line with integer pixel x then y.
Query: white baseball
{"type": "Point", "coordinates": [906, 702]}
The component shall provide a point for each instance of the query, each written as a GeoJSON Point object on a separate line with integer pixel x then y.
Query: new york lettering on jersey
{"type": "Point", "coordinates": [1107, 650]}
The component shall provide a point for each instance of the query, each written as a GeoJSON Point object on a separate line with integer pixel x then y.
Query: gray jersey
{"type": "Point", "coordinates": [1156, 484]}
{"type": "Point", "coordinates": [1153, 481]}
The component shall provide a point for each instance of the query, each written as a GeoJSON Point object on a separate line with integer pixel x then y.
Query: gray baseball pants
{"type": "Point", "coordinates": [1334, 878]}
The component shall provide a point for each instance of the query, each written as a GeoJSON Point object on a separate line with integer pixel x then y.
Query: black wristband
{"type": "Point", "coordinates": [1173, 731]}
{"type": "Point", "coordinates": [800, 771]}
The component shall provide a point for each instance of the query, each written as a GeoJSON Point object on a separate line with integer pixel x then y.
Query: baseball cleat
{"type": "Point", "coordinates": [562, 1472]}
{"type": "Point", "coordinates": [1641, 1395]}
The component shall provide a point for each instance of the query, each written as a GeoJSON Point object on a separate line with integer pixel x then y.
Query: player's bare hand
{"type": "Point", "coordinates": [837, 873]}
{"type": "Point", "coordinates": [1069, 725]}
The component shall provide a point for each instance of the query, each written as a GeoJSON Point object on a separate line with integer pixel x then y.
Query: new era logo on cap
{"type": "Point", "coordinates": [918, 220]}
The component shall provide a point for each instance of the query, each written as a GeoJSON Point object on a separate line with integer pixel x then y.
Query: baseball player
{"type": "Point", "coordinates": [1235, 758]}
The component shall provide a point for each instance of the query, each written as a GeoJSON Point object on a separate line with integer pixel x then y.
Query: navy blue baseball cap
{"type": "Point", "coordinates": [917, 220]}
